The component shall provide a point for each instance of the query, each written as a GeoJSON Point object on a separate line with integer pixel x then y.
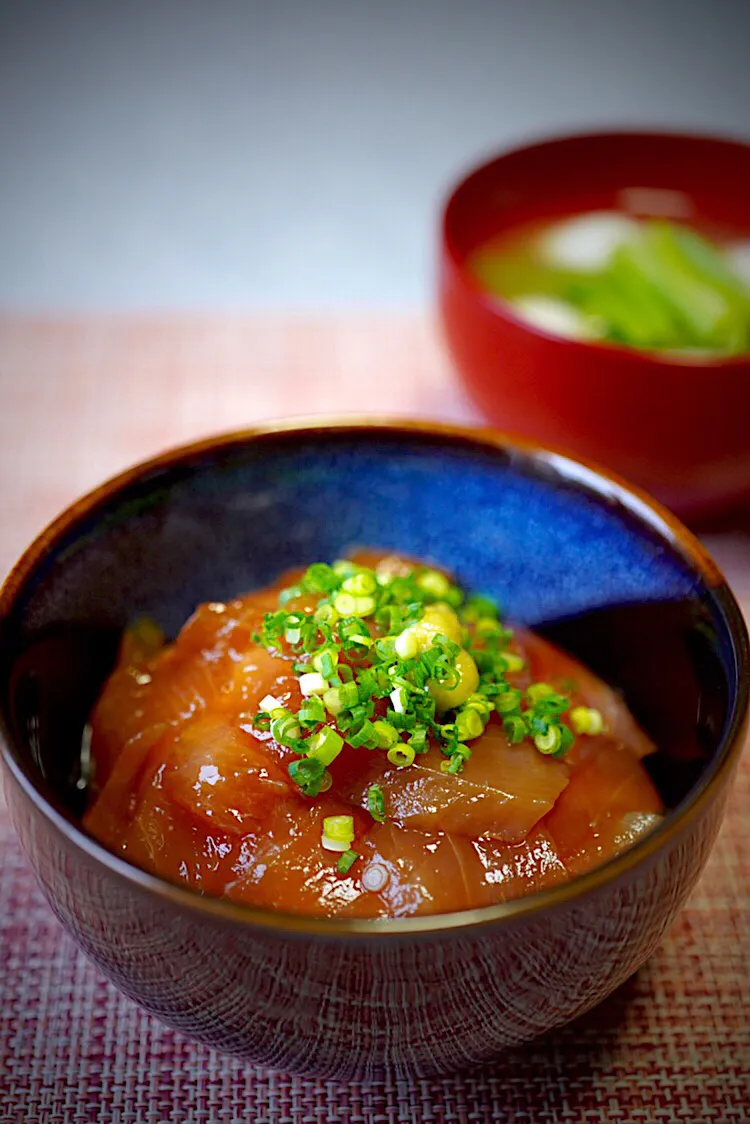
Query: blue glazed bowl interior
{"type": "Point", "coordinates": [561, 548]}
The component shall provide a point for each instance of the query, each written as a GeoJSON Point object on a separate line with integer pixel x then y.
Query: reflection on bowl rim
{"type": "Point", "coordinates": [504, 309]}
{"type": "Point", "coordinates": [603, 483]}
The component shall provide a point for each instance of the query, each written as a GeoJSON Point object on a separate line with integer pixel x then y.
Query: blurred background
{"type": "Point", "coordinates": [218, 213]}
{"type": "Point", "coordinates": [237, 155]}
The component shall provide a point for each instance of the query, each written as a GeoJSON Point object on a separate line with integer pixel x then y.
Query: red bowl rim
{"type": "Point", "coordinates": [601, 483]}
{"type": "Point", "coordinates": [503, 310]}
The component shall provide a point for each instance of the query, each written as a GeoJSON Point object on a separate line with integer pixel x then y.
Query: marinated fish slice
{"type": "Point", "coordinates": [551, 665]}
{"type": "Point", "coordinates": [141, 701]}
{"type": "Point", "coordinates": [404, 872]}
{"type": "Point", "coordinates": [503, 791]}
{"type": "Point", "coordinates": [292, 872]}
{"type": "Point", "coordinates": [514, 871]}
{"type": "Point", "coordinates": [221, 775]}
{"type": "Point", "coordinates": [608, 781]}
{"type": "Point", "coordinates": [166, 840]}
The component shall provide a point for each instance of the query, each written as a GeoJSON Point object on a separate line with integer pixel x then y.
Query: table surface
{"type": "Point", "coordinates": [83, 398]}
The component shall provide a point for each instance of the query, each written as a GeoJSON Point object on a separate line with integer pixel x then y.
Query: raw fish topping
{"type": "Point", "coordinates": [363, 739]}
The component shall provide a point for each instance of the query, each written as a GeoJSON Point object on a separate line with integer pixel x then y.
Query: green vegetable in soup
{"type": "Point", "coordinates": [663, 287]}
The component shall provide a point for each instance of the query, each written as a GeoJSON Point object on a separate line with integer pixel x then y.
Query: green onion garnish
{"type": "Point", "coordinates": [285, 728]}
{"type": "Point", "coordinates": [586, 720]}
{"type": "Point", "coordinates": [325, 746]}
{"type": "Point", "coordinates": [376, 803]}
{"type": "Point", "coordinates": [346, 862]}
{"type": "Point", "coordinates": [339, 829]}
{"type": "Point", "coordinates": [401, 756]}
{"type": "Point", "coordinates": [308, 774]}
{"type": "Point", "coordinates": [395, 662]}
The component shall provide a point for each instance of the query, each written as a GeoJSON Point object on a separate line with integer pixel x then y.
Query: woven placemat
{"type": "Point", "coordinates": [79, 401]}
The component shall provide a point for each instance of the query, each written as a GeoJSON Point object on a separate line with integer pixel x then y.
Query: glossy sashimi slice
{"type": "Point", "coordinates": [292, 871]}
{"type": "Point", "coordinates": [257, 674]}
{"type": "Point", "coordinates": [166, 840]}
{"type": "Point", "coordinates": [222, 776]}
{"type": "Point", "coordinates": [513, 871]}
{"type": "Point", "coordinates": [405, 872]}
{"type": "Point", "coordinates": [110, 816]}
{"type": "Point", "coordinates": [503, 791]}
{"type": "Point", "coordinates": [608, 781]}
{"type": "Point", "coordinates": [411, 872]}
{"type": "Point", "coordinates": [216, 627]}
{"type": "Point", "coordinates": [163, 812]}
{"type": "Point", "coordinates": [551, 665]}
{"type": "Point", "coordinates": [142, 701]}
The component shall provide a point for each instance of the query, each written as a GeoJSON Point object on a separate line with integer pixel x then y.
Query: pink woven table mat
{"type": "Point", "coordinates": [80, 400]}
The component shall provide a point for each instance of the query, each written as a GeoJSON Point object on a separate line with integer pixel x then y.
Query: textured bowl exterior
{"type": "Point", "coordinates": [551, 538]}
{"type": "Point", "coordinates": [365, 1007]}
{"type": "Point", "coordinates": [677, 429]}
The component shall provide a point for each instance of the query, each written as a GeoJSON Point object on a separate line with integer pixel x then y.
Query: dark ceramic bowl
{"type": "Point", "coordinates": [566, 549]}
{"type": "Point", "coordinates": [678, 429]}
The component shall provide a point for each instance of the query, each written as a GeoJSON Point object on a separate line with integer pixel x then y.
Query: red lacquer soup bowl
{"type": "Point", "coordinates": [568, 550]}
{"type": "Point", "coordinates": [678, 427]}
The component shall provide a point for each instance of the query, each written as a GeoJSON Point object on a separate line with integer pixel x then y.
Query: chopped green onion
{"type": "Point", "coordinates": [507, 702]}
{"type": "Point", "coordinates": [365, 737]}
{"type": "Point", "coordinates": [566, 740]}
{"type": "Point", "coordinates": [455, 762]}
{"type": "Point", "coordinates": [285, 728]}
{"type": "Point", "coordinates": [399, 700]}
{"type": "Point", "coordinates": [325, 746]}
{"type": "Point", "coordinates": [313, 683]}
{"type": "Point", "coordinates": [401, 756]}
{"type": "Point", "coordinates": [345, 604]}
{"type": "Point", "coordinates": [339, 828]}
{"type": "Point", "coordinates": [469, 725]}
{"type": "Point", "coordinates": [311, 711]}
{"type": "Point", "coordinates": [515, 729]}
{"type": "Point", "coordinates": [488, 626]}
{"type": "Point", "coordinates": [308, 774]}
{"type": "Point", "coordinates": [434, 583]}
{"type": "Point", "coordinates": [586, 720]}
{"type": "Point", "coordinates": [538, 691]}
{"type": "Point", "coordinates": [480, 703]}
{"type": "Point", "coordinates": [320, 578]}
{"type": "Point", "coordinates": [341, 698]}
{"type": "Point", "coordinates": [419, 655]}
{"type": "Point", "coordinates": [376, 803]}
{"type": "Point", "coordinates": [418, 740]}
{"type": "Point", "coordinates": [332, 701]}
{"type": "Point", "coordinates": [325, 661]}
{"type": "Point", "coordinates": [387, 735]}
{"type": "Point", "coordinates": [344, 568]}
{"type": "Point", "coordinates": [346, 862]}
{"type": "Point", "coordinates": [326, 614]}
{"type": "Point", "coordinates": [477, 607]}
{"type": "Point", "coordinates": [549, 742]}
{"type": "Point", "coordinates": [361, 585]}
{"type": "Point", "coordinates": [349, 694]}
{"type": "Point", "coordinates": [350, 606]}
